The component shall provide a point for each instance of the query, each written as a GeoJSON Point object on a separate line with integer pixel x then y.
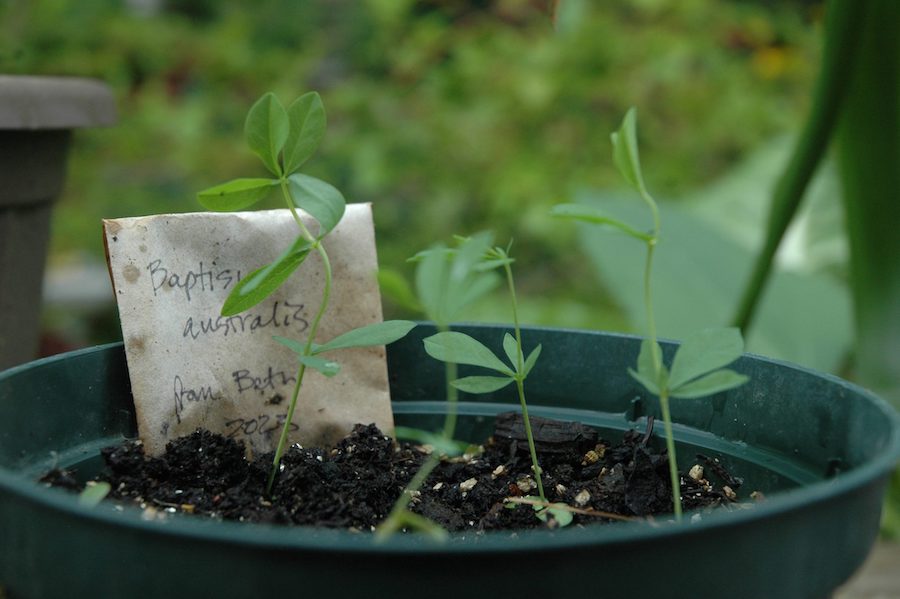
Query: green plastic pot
{"type": "Point", "coordinates": [819, 448]}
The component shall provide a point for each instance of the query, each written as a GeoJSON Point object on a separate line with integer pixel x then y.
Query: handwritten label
{"type": "Point", "coordinates": [192, 367]}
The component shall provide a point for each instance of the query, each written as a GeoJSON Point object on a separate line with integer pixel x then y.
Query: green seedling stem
{"type": "Point", "coordinates": [314, 327]}
{"type": "Point", "coordinates": [651, 240]}
{"type": "Point", "coordinates": [520, 382]}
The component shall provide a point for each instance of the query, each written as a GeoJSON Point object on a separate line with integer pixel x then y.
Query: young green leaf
{"type": "Point", "coordinates": [94, 493]}
{"type": "Point", "coordinates": [432, 275]}
{"type": "Point", "coordinates": [493, 264]}
{"type": "Point", "coordinates": [559, 511]}
{"type": "Point", "coordinates": [327, 367]}
{"type": "Point", "coordinates": [648, 382]}
{"type": "Point", "coordinates": [413, 521]}
{"type": "Point", "coordinates": [445, 446]}
{"type": "Point", "coordinates": [298, 347]}
{"type": "Point", "coordinates": [512, 351]}
{"type": "Point", "coordinates": [481, 384]}
{"type": "Point", "coordinates": [319, 199]}
{"type": "Point", "coordinates": [645, 361]}
{"type": "Point", "coordinates": [266, 130]}
{"type": "Point", "coordinates": [714, 382]}
{"type": "Point", "coordinates": [446, 279]}
{"type": "Point", "coordinates": [307, 127]}
{"type": "Point", "coordinates": [380, 333]}
{"type": "Point", "coordinates": [531, 360]}
{"type": "Point", "coordinates": [235, 195]}
{"type": "Point", "coordinates": [646, 373]}
{"type": "Point", "coordinates": [590, 214]}
{"type": "Point", "coordinates": [470, 252]}
{"type": "Point", "coordinates": [459, 348]}
{"type": "Point", "coordinates": [705, 351]}
{"type": "Point", "coordinates": [262, 282]}
{"type": "Point", "coordinates": [625, 151]}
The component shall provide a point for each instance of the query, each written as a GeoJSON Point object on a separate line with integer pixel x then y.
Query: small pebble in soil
{"type": "Point", "coordinates": [526, 484]}
{"type": "Point", "coordinates": [696, 472]}
{"type": "Point", "coordinates": [467, 485]}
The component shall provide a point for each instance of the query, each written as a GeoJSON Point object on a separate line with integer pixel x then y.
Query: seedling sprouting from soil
{"type": "Point", "coordinates": [447, 281]}
{"type": "Point", "coordinates": [284, 140]}
{"type": "Point", "coordinates": [698, 367]}
{"type": "Point", "coordinates": [459, 348]}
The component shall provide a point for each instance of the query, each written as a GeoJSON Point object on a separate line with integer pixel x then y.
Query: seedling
{"type": "Point", "coordinates": [459, 348]}
{"type": "Point", "coordinates": [447, 281]}
{"type": "Point", "coordinates": [93, 493]}
{"type": "Point", "coordinates": [698, 367]}
{"type": "Point", "coordinates": [284, 140]}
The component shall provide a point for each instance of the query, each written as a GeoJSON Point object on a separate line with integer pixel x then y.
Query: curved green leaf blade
{"type": "Point", "coordinates": [595, 216]}
{"type": "Point", "coordinates": [648, 382]}
{"type": "Point", "coordinates": [532, 360]}
{"type": "Point", "coordinates": [447, 279]}
{"type": "Point", "coordinates": [413, 522]}
{"type": "Point", "coordinates": [307, 127]}
{"type": "Point", "coordinates": [470, 252]}
{"type": "Point", "coordinates": [236, 194]}
{"type": "Point", "coordinates": [493, 264]}
{"type": "Point", "coordinates": [705, 351]}
{"type": "Point", "coordinates": [298, 347]}
{"type": "Point", "coordinates": [511, 348]}
{"type": "Point", "coordinates": [481, 384]}
{"type": "Point", "coordinates": [262, 282]}
{"type": "Point", "coordinates": [94, 493]}
{"type": "Point", "coordinates": [266, 130]}
{"type": "Point", "coordinates": [380, 333]}
{"type": "Point", "coordinates": [327, 367]}
{"type": "Point", "coordinates": [559, 511]}
{"type": "Point", "coordinates": [645, 362]}
{"type": "Point", "coordinates": [714, 382]}
{"type": "Point", "coordinates": [459, 348]}
{"type": "Point", "coordinates": [319, 199]}
{"type": "Point", "coordinates": [625, 151]}
{"type": "Point", "coordinates": [431, 282]}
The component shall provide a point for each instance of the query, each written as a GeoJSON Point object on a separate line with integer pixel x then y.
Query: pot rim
{"type": "Point", "coordinates": [41, 102]}
{"type": "Point", "coordinates": [277, 537]}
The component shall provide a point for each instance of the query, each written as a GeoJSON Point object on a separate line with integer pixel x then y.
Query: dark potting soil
{"type": "Point", "coordinates": [355, 484]}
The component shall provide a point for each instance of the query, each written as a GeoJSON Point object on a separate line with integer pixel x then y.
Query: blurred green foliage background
{"type": "Point", "coordinates": [449, 115]}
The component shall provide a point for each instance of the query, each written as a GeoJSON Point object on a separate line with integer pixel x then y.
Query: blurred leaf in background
{"type": "Point", "coordinates": [869, 157]}
{"type": "Point", "coordinates": [699, 270]}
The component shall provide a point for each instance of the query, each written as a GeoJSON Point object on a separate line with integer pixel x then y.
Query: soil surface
{"type": "Point", "coordinates": [355, 484]}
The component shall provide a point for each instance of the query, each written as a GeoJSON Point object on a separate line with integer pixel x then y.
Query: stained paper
{"type": "Point", "coordinates": [192, 368]}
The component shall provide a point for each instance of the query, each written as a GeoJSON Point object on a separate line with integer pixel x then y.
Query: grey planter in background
{"type": "Point", "coordinates": [37, 115]}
